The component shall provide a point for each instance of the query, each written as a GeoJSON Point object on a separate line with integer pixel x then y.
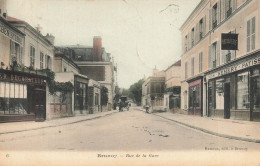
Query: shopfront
{"type": "Point", "coordinates": [22, 96]}
{"type": "Point", "coordinates": [234, 90]}
{"type": "Point", "coordinates": [81, 91]}
{"type": "Point", "coordinates": [195, 96]}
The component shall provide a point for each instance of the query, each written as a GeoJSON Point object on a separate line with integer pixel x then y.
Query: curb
{"type": "Point", "coordinates": [18, 131]}
{"type": "Point", "coordinates": [208, 131]}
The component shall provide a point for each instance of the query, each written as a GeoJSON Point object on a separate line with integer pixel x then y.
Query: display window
{"type": "Point", "coordinates": [242, 93]}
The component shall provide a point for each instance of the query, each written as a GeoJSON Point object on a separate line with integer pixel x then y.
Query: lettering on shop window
{"type": "Point", "coordinates": [235, 68]}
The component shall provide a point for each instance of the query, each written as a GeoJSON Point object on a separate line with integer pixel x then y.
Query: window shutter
{"type": "Point", "coordinates": [234, 5]}
{"type": "Point", "coordinates": [253, 34]}
{"type": "Point", "coordinates": [197, 33]}
{"type": "Point", "coordinates": [218, 13]}
{"type": "Point", "coordinates": [210, 19]}
{"type": "Point", "coordinates": [248, 36]}
{"type": "Point", "coordinates": [218, 53]}
{"type": "Point", "coordinates": [189, 41]}
{"type": "Point", "coordinates": [204, 26]}
{"type": "Point", "coordinates": [209, 58]}
{"type": "Point", "coordinates": [223, 10]}
{"type": "Point", "coordinates": [233, 52]}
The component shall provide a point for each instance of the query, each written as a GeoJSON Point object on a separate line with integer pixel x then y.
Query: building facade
{"type": "Point", "coordinates": [153, 91]}
{"type": "Point", "coordinates": [221, 82]}
{"type": "Point", "coordinates": [173, 86]}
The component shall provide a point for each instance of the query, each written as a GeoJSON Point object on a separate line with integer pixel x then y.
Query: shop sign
{"type": "Point", "coordinates": [234, 68]}
{"type": "Point", "coordinates": [229, 41]}
{"type": "Point", "coordinates": [21, 79]}
{"type": "Point", "coordinates": [10, 34]}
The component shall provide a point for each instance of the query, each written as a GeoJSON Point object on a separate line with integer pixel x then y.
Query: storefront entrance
{"type": "Point", "coordinates": [195, 98]}
{"type": "Point", "coordinates": [255, 95]}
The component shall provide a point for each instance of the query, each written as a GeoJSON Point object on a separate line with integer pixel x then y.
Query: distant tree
{"type": "Point", "coordinates": [135, 91]}
{"type": "Point", "coordinates": [104, 95]}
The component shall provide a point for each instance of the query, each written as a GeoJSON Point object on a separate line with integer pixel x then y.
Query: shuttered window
{"type": "Point", "coordinates": [200, 62]}
{"type": "Point", "coordinates": [251, 34]}
{"type": "Point", "coordinates": [192, 66]}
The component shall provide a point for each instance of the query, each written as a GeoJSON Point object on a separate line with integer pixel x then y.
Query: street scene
{"type": "Point", "coordinates": [168, 82]}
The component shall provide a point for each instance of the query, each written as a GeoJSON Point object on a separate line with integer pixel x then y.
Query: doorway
{"type": "Point", "coordinates": [227, 101]}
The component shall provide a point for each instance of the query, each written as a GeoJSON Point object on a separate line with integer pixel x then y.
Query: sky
{"type": "Point", "coordinates": [139, 34]}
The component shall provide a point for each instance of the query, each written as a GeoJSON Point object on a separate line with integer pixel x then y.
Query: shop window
{"type": "Point", "coordinates": [13, 98]}
{"type": "Point", "coordinates": [210, 94]}
{"type": "Point", "coordinates": [194, 96]}
{"type": "Point", "coordinates": [256, 89]}
{"type": "Point", "coordinates": [242, 91]}
{"type": "Point", "coordinates": [220, 94]}
{"type": "Point", "coordinates": [32, 57]}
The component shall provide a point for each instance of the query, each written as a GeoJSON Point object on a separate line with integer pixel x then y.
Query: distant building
{"type": "Point", "coordinates": [95, 63]}
{"type": "Point", "coordinates": [75, 103]}
{"type": "Point", "coordinates": [153, 91]}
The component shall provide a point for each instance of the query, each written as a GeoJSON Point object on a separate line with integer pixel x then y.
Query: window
{"type": "Point", "coordinates": [192, 66]}
{"type": "Point", "coordinates": [41, 60]}
{"type": "Point", "coordinates": [251, 34]}
{"type": "Point", "coordinates": [186, 43]}
{"type": "Point", "coordinates": [201, 29]}
{"type": "Point", "coordinates": [215, 16]}
{"type": "Point", "coordinates": [186, 70]}
{"type": "Point", "coordinates": [49, 65]}
{"type": "Point", "coordinates": [15, 52]}
{"type": "Point", "coordinates": [214, 54]}
{"type": "Point", "coordinates": [242, 91]}
{"type": "Point", "coordinates": [32, 56]}
{"type": "Point", "coordinates": [192, 37]}
{"type": "Point", "coordinates": [13, 98]}
{"type": "Point", "coordinates": [200, 62]}
{"type": "Point", "coordinates": [96, 99]}
{"type": "Point", "coordinates": [228, 8]}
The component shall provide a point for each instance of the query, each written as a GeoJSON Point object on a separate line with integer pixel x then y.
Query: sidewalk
{"type": "Point", "coordinates": [14, 127]}
{"type": "Point", "coordinates": [227, 128]}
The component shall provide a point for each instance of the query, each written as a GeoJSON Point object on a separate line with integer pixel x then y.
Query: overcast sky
{"type": "Point", "coordinates": [139, 34]}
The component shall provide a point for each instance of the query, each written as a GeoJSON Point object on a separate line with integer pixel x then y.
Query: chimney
{"type": "Point", "coordinates": [50, 38]}
{"type": "Point", "coordinates": [97, 48]}
{"type": "Point", "coordinates": [3, 11]}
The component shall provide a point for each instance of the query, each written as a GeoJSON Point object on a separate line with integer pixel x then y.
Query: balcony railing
{"type": "Point", "coordinates": [229, 12]}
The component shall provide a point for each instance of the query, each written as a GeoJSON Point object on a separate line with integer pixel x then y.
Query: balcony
{"type": "Point", "coordinates": [229, 12]}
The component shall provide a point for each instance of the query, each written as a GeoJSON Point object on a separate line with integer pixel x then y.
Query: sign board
{"type": "Point", "coordinates": [229, 41]}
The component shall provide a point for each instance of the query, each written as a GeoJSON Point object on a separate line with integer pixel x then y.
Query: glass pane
{"type": "Point", "coordinates": [12, 90]}
{"type": "Point", "coordinates": [219, 94]}
{"type": "Point", "coordinates": [25, 91]}
{"type": "Point", "coordinates": [21, 91]}
{"type": "Point", "coordinates": [16, 90]}
{"type": "Point", "coordinates": [7, 90]}
{"type": "Point", "coordinates": [2, 89]}
{"type": "Point", "coordinates": [242, 91]}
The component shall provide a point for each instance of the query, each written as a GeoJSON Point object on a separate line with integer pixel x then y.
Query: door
{"type": "Point", "coordinates": [39, 104]}
{"type": "Point", "coordinates": [227, 100]}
